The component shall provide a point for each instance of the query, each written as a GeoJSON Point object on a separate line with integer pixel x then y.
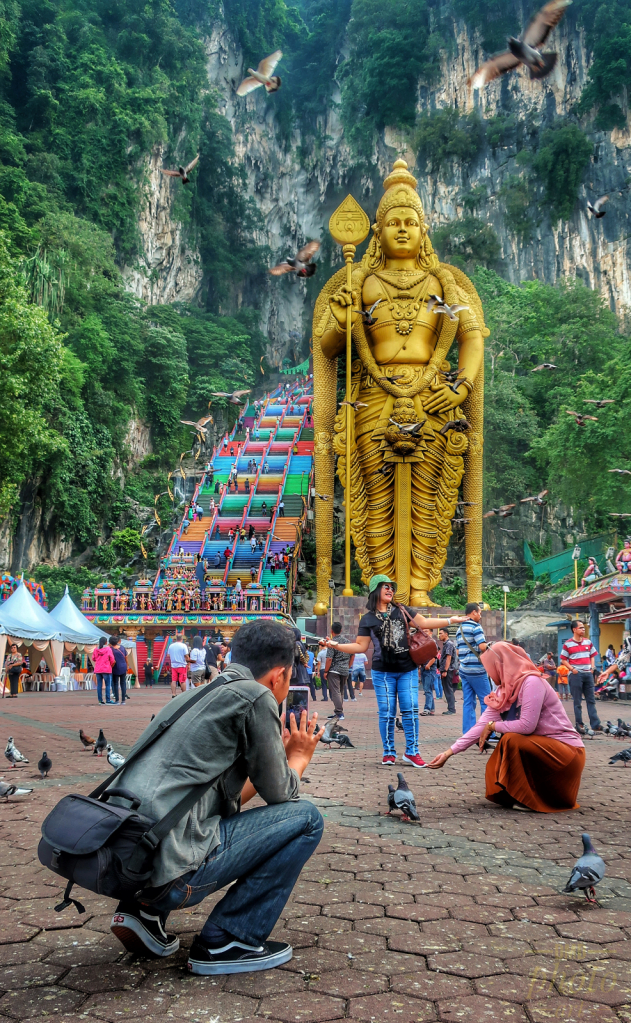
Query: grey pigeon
{"type": "Point", "coordinates": [587, 871]}
{"type": "Point", "coordinates": [100, 745]}
{"type": "Point", "coordinates": [332, 733]}
{"type": "Point", "coordinates": [44, 765]}
{"type": "Point", "coordinates": [114, 759]}
{"type": "Point", "coordinates": [12, 790]}
{"type": "Point", "coordinates": [344, 742]}
{"type": "Point", "coordinates": [398, 724]}
{"type": "Point", "coordinates": [404, 800]}
{"type": "Point", "coordinates": [13, 754]}
{"type": "Point", "coordinates": [624, 756]}
{"type": "Point", "coordinates": [391, 803]}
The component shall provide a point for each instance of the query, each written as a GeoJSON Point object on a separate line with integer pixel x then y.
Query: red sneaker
{"type": "Point", "coordinates": [388, 760]}
{"type": "Point", "coordinates": [414, 759]}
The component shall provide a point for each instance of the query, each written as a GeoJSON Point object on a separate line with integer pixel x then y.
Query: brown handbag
{"type": "Point", "coordinates": [422, 648]}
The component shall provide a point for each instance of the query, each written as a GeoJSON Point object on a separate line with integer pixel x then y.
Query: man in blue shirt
{"type": "Point", "coordinates": [475, 681]}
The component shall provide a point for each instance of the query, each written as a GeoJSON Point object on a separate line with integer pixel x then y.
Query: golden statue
{"type": "Point", "coordinates": [407, 461]}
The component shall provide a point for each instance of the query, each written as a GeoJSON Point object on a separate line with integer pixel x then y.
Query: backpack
{"type": "Point", "coordinates": [110, 849]}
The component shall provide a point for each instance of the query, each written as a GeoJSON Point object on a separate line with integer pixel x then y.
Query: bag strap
{"type": "Point", "coordinates": [229, 675]}
{"type": "Point", "coordinates": [466, 643]}
{"type": "Point", "coordinates": [406, 621]}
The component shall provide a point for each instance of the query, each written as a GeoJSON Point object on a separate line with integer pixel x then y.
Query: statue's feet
{"type": "Point", "coordinates": [421, 598]}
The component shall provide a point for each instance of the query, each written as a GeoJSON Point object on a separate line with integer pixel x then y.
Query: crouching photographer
{"type": "Point", "coordinates": [234, 743]}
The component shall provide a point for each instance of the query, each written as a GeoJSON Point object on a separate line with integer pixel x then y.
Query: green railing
{"type": "Point", "coordinates": [559, 565]}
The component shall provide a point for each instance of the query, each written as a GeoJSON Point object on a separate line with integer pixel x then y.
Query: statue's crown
{"type": "Point", "coordinates": [400, 186]}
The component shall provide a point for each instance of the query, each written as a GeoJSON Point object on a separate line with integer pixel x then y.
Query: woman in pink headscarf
{"type": "Point", "coordinates": [539, 759]}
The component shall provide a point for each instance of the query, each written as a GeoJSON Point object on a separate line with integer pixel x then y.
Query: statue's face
{"type": "Point", "coordinates": [401, 233]}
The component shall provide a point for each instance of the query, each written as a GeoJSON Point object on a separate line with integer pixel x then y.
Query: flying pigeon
{"type": "Point", "coordinates": [232, 397]}
{"type": "Point", "coordinates": [620, 515]}
{"type": "Point", "coordinates": [544, 365]}
{"type": "Point", "coordinates": [503, 511]}
{"type": "Point", "coordinates": [404, 800]}
{"type": "Point", "coordinates": [44, 765]}
{"type": "Point", "coordinates": [600, 402]}
{"type": "Point", "coordinates": [458, 425]}
{"type": "Point", "coordinates": [587, 871]}
{"type": "Point", "coordinates": [526, 49]}
{"type": "Point", "coordinates": [300, 264]}
{"type": "Point", "coordinates": [452, 375]}
{"type": "Point", "coordinates": [367, 314]}
{"type": "Point", "coordinates": [621, 472]}
{"type": "Point", "coordinates": [597, 210]}
{"type": "Point", "coordinates": [262, 76]}
{"type": "Point", "coordinates": [457, 522]}
{"type": "Point", "coordinates": [101, 744]}
{"type": "Point", "coordinates": [182, 172]}
{"type": "Point", "coordinates": [412, 428]}
{"type": "Point", "coordinates": [537, 499]}
{"type": "Point", "coordinates": [438, 305]}
{"type": "Point", "coordinates": [580, 417]}
{"type": "Point", "coordinates": [392, 380]}
{"type": "Point", "coordinates": [12, 790]}
{"type": "Point", "coordinates": [85, 739]}
{"type": "Point", "coordinates": [354, 404]}
{"type": "Point", "coordinates": [114, 759]}
{"type": "Point", "coordinates": [323, 497]}
{"type": "Point", "coordinates": [624, 756]}
{"type": "Point", "coordinates": [13, 754]}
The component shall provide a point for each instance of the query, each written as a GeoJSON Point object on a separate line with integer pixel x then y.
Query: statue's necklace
{"type": "Point", "coordinates": [405, 306]}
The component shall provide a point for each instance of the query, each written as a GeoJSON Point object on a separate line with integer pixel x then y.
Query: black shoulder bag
{"type": "Point", "coordinates": [110, 849]}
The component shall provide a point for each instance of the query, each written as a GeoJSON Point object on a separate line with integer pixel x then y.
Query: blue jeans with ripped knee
{"type": "Point", "coordinates": [390, 686]}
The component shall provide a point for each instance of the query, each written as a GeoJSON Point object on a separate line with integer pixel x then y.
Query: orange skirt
{"type": "Point", "coordinates": [542, 774]}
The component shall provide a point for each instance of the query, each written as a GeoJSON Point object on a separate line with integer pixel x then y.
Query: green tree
{"type": "Point", "coordinates": [560, 162]}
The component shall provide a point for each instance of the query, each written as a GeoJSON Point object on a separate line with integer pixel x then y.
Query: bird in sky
{"type": "Point", "coordinates": [597, 210]}
{"type": "Point", "coordinates": [581, 418]}
{"type": "Point", "coordinates": [536, 499]}
{"type": "Point", "coordinates": [600, 402]}
{"type": "Point", "coordinates": [620, 515]}
{"type": "Point", "coordinates": [437, 305]}
{"type": "Point", "coordinates": [526, 49]}
{"type": "Point", "coordinates": [323, 497]}
{"type": "Point", "coordinates": [182, 172]}
{"type": "Point", "coordinates": [384, 471]}
{"type": "Point", "coordinates": [412, 428]}
{"type": "Point", "coordinates": [233, 397]}
{"type": "Point", "coordinates": [466, 504]}
{"type": "Point", "coordinates": [456, 522]}
{"type": "Point", "coordinates": [503, 511]}
{"type": "Point", "coordinates": [367, 314]}
{"type": "Point", "coordinates": [504, 530]}
{"type": "Point", "coordinates": [457, 425]}
{"type": "Point", "coordinates": [621, 472]}
{"type": "Point", "coordinates": [200, 425]}
{"type": "Point", "coordinates": [544, 365]}
{"type": "Point", "coordinates": [300, 264]}
{"type": "Point", "coordinates": [264, 75]}
{"type": "Point", "coordinates": [452, 375]}
{"type": "Point", "coordinates": [354, 404]}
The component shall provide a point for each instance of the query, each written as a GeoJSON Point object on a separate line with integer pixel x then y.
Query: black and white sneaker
{"type": "Point", "coordinates": [141, 932]}
{"type": "Point", "coordinates": [237, 957]}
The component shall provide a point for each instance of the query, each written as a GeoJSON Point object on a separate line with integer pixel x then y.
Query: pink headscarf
{"type": "Point", "coordinates": [508, 666]}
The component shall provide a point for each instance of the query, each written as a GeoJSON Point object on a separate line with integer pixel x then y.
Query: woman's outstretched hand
{"type": "Point", "coordinates": [488, 728]}
{"type": "Point", "coordinates": [440, 760]}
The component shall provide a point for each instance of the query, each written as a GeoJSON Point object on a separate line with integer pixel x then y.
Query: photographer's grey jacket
{"type": "Point", "coordinates": [233, 734]}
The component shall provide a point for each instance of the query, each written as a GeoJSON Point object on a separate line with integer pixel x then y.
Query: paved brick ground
{"type": "Point", "coordinates": [457, 919]}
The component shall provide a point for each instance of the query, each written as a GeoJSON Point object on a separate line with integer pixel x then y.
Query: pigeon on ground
{"type": "Point", "coordinates": [544, 365]}
{"type": "Point", "coordinates": [85, 739]}
{"type": "Point", "coordinates": [100, 745]}
{"type": "Point", "coordinates": [332, 734]}
{"type": "Point", "coordinates": [13, 754]}
{"type": "Point", "coordinates": [597, 210]}
{"type": "Point", "coordinates": [44, 765]}
{"type": "Point", "coordinates": [182, 172]}
{"type": "Point", "coordinates": [300, 264]}
{"type": "Point", "coordinates": [525, 50]}
{"type": "Point", "coordinates": [12, 790]}
{"type": "Point", "coordinates": [114, 759]}
{"type": "Point", "coordinates": [367, 314]}
{"type": "Point", "coordinates": [404, 801]}
{"type": "Point", "coordinates": [623, 729]}
{"type": "Point", "coordinates": [391, 803]}
{"type": "Point", "coordinates": [398, 724]}
{"type": "Point", "coordinates": [262, 76]}
{"type": "Point", "coordinates": [587, 871]}
{"type": "Point", "coordinates": [624, 756]}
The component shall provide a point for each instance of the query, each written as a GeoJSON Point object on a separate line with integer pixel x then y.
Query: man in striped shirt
{"type": "Point", "coordinates": [475, 681]}
{"type": "Point", "coordinates": [579, 654]}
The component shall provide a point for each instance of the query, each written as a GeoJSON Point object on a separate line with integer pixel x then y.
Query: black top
{"type": "Point", "coordinates": [397, 659]}
{"type": "Point", "coordinates": [448, 650]}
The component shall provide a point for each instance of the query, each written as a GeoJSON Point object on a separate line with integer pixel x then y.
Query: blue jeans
{"type": "Point", "coordinates": [438, 685]}
{"type": "Point", "coordinates": [101, 677]}
{"type": "Point", "coordinates": [427, 679]}
{"type": "Point", "coordinates": [472, 686]}
{"type": "Point", "coordinates": [123, 684]}
{"type": "Point", "coordinates": [389, 685]}
{"type": "Point", "coordinates": [263, 850]}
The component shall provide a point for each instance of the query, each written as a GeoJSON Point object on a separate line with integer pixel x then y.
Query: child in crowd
{"type": "Point", "coordinates": [564, 687]}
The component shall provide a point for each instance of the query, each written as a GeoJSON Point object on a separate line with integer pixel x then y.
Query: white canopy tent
{"type": "Point", "coordinates": [27, 623]}
{"type": "Point", "coordinates": [69, 617]}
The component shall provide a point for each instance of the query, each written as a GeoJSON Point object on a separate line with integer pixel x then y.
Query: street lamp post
{"type": "Point", "coordinates": [332, 589]}
{"type": "Point", "coordinates": [576, 554]}
{"type": "Point", "coordinates": [506, 592]}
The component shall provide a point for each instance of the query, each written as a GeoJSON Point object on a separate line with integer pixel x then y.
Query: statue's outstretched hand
{"type": "Point", "coordinates": [340, 302]}
{"type": "Point", "coordinates": [442, 398]}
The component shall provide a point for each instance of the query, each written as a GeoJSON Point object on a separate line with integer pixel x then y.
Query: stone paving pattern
{"type": "Point", "coordinates": [459, 918]}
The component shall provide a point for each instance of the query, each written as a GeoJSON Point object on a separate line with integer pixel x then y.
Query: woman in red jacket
{"type": "Point", "coordinates": [103, 660]}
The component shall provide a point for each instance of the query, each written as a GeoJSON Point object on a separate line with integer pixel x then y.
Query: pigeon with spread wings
{"type": "Point", "coordinates": [536, 499]}
{"type": "Point", "coordinates": [600, 402]}
{"type": "Point", "coordinates": [300, 264]}
{"type": "Point", "coordinates": [503, 511]}
{"type": "Point", "coordinates": [264, 75]}
{"type": "Point", "coordinates": [232, 397]}
{"type": "Point", "coordinates": [597, 210]}
{"type": "Point", "coordinates": [544, 365]}
{"type": "Point", "coordinates": [182, 172]}
{"type": "Point", "coordinates": [580, 417]}
{"type": "Point", "coordinates": [437, 305]}
{"type": "Point", "coordinates": [526, 49]}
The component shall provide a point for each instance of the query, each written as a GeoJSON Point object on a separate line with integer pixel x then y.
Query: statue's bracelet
{"type": "Point", "coordinates": [467, 383]}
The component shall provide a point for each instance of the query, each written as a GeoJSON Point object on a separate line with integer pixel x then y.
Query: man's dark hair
{"type": "Point", "coordinates": [446, 631]}
{"type": "Point", "coordinates": [575, 625]}
{"type": "Point", "coordinates": [336, 628]}
{"type": "Point", "coordinates": [263, 645]}
{"type": "Point", "coordinates": [472, 606]}
{"type": "Point", "coordinates": [114, 640]}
